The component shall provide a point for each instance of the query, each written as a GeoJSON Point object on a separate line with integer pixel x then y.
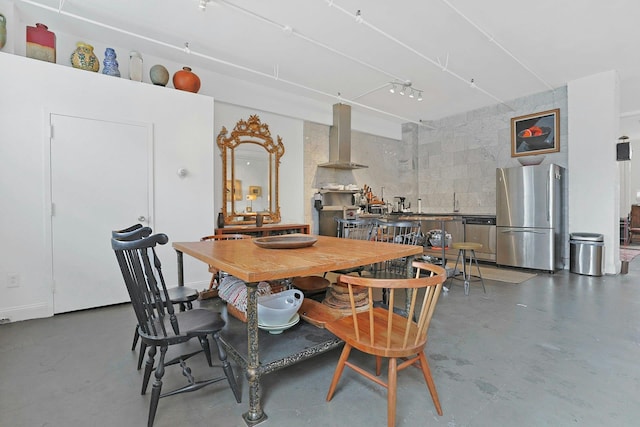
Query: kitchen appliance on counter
{"type": "Point", "coordinates": [529, 217]}
{"type": "Point", "coordinates": [399, 204]}
{"type": "Point", "coordinates": [332, 204]}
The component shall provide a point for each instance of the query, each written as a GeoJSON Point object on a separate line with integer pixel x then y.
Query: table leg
{"type": "Point", "coordinates": [443, 243]}
{"type": "Point", "coordinates": [409, 292]}
{"type": "Point", "coordinates": [179, 254]}
{"type": "Point", "coordinates": [255, 415]}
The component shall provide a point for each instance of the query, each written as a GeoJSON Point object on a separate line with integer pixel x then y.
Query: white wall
{"type": "Point", "coordinates": [183, 138]}
{"type": "Point", "coordinates": [594, 178]}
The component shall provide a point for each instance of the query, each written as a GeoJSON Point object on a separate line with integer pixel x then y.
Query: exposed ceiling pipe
{"type": "Point", "coordinates": [362, 21]}
{"type": "Point", "coordinates": [292, 31]}
{"type": "Point", "coordinates": [501, 47]}
{"type": "Point", "coordinates": [186, 49]}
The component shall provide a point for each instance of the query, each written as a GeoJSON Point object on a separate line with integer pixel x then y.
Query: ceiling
{"type": "Point", "coordinates": [461, 54]}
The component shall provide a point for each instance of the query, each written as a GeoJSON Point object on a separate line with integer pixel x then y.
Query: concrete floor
{"type": "Point", "coordinates": [556, 350]}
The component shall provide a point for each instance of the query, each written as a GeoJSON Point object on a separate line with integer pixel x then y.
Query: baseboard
{"type": "Point", "coordinates": [25, 312]}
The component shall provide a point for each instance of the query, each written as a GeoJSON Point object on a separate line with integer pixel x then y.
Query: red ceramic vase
{"type": "Point", "coordinates": [41, 43]}
{"type": "Point", "coordinates": [186, 80]}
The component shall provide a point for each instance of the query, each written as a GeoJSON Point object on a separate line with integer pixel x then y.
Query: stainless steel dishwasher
{"type": "Point", "coordinates": [482, 229]}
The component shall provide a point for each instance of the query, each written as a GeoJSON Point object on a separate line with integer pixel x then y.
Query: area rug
{"type": "Point", "coordinates": [499, 274]}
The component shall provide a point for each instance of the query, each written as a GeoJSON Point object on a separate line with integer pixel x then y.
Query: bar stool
{"type": "Point", "coordinates": [462, 248]}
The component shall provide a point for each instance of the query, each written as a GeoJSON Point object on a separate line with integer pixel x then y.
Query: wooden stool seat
{"type": "Point", "coordinates": [467, 245]}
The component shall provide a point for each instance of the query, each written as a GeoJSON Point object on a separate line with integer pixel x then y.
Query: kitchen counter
{"type": "Point", "coordinates": [461, 227]}
{"type": "Point", "coordinates": [424, 215]}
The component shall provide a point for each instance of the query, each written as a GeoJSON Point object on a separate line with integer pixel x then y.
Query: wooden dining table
{"type": "Point", "coordinates": [253, 264]}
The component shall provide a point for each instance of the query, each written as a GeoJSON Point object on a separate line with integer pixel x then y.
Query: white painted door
{"type": "Point", "coordinates": [100, 181]}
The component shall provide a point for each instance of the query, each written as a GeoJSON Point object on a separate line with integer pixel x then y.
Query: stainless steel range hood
{"type": "Point", "coordinates": [340, 140]}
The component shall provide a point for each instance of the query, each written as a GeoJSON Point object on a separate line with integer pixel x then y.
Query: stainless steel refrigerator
{"type": "Point", "coordinates": [529, 217]}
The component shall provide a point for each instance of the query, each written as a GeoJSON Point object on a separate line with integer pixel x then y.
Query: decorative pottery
{"type": "Point", "coordinates": [259, 220]}
{"type": "Point", "coordinates": [186, 80]}
{"type": "Point", "coordinates": [159, 75]}
{"type": "Point", "coordinates": [41, 43]}
{"type": "Point", "coordinates": [3, 31]}
{"type": "Point", "coordinates": [220, 220]}
{"type": "Point", "coordinates": [110, 63]}
{"type": "Point", "coordinates": [135, 66]}
{"type": "Point", "coordinates": [84, 58]}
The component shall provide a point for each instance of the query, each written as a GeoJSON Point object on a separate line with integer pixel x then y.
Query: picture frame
{"type": "Point", "coordinates": [537, 133]}
{"type": "Point", "coordinates": [255, 190]}
{"type": "Point", "coordinates": [237, 190]}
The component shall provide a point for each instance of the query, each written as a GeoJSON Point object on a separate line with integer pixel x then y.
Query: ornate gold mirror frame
{"type": "Point", "coordinates": [246, 135]}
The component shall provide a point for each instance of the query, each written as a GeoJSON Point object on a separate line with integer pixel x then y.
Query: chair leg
{"type": "Point", "coordinates": [136, 335]}
{"type": "Point", "coordinates": [392, 389]}
{"type": "Point", "coordinates": [478, 267]}
{"type": "Point", "coordinates": [204, 342]}
{"type": "Point", "coordinates": [226, 367]}
{"type": "Point", "coordinates": [157, 387]}
{"type": "Point", "coordinates": [148, 368]}
{"type": "Point", "coordinates": [339, 369]}
{"type": "Point", "coordinates": [455, 267]}
{"type": "Point", "coordinates": [143, 349]}
{"type": "Point", "coordinates": [378, 365]}
{"type": "Point", "coordinates": [465, 275]}
{"type": "Point", "coordinates": [429, 380]}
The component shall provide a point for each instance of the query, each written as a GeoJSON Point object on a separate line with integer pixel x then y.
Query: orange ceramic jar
{"type": "Point", "coordinates": [186, 80]}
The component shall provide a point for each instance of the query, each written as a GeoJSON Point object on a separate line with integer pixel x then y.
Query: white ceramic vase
{"type": "Point", "coordinates": [135, 66]}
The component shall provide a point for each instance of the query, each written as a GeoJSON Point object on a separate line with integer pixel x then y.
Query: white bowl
{"type": "Point", "coordinates": [530, 160]}
{"type": "Point", "coordinates": [278, 309]}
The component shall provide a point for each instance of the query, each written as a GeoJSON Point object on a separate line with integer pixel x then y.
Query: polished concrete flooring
{"type": "Point", "coordinates": [556, 350]}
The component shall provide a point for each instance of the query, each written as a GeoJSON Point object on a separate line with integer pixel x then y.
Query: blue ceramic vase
{"type": "Point", "coordinates": [110, 63]}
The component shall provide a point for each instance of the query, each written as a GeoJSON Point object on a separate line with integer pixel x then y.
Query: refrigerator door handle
{"type": "Point", "coordinates": [522, 231]}
{"type": "Point", "coordinates": [547, 201]}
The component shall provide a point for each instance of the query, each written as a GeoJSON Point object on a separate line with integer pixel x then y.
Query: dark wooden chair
{"type": "Point", "coordinates": [181, 295]}
{"type": "Point", "coordinates": [159, 326]}
{"type": "Point", "coordinates": [384, 333]}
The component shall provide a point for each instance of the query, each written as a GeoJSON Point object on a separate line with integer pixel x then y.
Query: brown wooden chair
{"type": "Point", "coordinates": [384, 333]}
{"type": "Point", "coordinates": [215, 273]}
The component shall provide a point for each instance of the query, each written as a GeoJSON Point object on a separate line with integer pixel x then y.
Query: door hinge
{"type": "Point", "coordinates": [50, 131]}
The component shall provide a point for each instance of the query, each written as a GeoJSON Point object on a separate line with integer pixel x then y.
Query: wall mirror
{"type": "Point", "coordinates": [250, 162]}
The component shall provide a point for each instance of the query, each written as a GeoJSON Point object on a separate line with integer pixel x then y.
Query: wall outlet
{"type": "Point", "coordinates": [13, 280]}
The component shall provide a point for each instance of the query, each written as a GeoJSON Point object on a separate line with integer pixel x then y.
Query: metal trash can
{"type": "Point", "coordinates": [586, 253]}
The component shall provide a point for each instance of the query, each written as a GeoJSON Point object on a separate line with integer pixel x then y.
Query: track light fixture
{"type": "Point", "coordinates": [406, 87]}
